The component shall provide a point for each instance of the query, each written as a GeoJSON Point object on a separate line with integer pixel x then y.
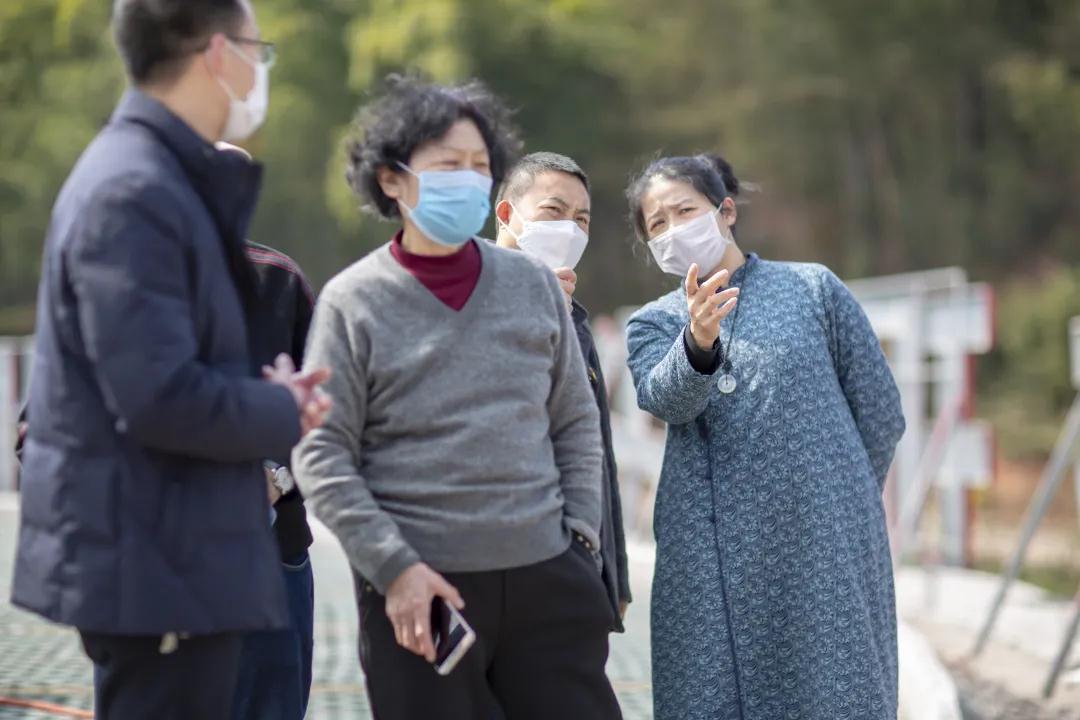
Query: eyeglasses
{"type": "Point", "coordinates": [267, 50]}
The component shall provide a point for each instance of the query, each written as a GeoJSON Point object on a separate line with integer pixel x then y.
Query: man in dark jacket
{"type": "Point", "coordinates": [144, 518]}
{"type": "Point", "coordinates": [275, 665]}
{"type": "Point", "coordinates": [541, 202]}
{"type": "Point", "coordinates": [274, 678]}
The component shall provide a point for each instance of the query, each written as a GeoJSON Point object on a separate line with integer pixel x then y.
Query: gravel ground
{"type": "Point", "coordinates": [986, 700]}
{"type": "Point", "coordinates": [1005, 681]}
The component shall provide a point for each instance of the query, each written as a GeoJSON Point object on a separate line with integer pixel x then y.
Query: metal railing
{"type": "Point", "coordinates": [1051, 479]}
{"type": "Point", "coordinates": [15, 355]}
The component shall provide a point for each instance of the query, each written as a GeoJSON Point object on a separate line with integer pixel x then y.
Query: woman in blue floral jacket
{"type": "Point", "coordinates": [773, 592]}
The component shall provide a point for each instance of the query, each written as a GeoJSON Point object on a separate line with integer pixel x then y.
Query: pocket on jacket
{"type": "Point", "coordinates": [173, 529]}
{"type": "Point", "coordinates": [61, 489]}
{"type": "Point", "coordinates": [94, 504]}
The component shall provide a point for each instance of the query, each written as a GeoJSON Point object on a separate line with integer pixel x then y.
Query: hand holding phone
{"type": "Point", "coordinates": [452, 635]}
{"type": "Point", "coordinates": [408, 606]}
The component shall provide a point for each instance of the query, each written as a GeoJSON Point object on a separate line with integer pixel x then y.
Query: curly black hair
{"type": "Point", "coordinates": [710, 175]}
{"type": "Point", "coordinates": [411, 111]}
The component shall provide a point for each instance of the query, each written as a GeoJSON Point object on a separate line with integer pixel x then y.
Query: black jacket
{"type": "Point", "coordinates": [612, 534]}
{"type": "Point", "coordinates": [144, 506]}
{"type": "Point", "coordinates": [278, 322]}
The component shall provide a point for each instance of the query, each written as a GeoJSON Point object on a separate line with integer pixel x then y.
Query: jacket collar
{"type": "Point", "coordinates": [580, 317]}
{"type": "Point", "coordinates": [227, 183]}
{"type": "Point", "coordinates": [578, 312]}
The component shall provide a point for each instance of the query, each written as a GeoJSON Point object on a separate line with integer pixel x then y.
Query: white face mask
{"type": "Point", "coordinates": [697, 241]}
{"type": "Point", "coordinates": [245, 116]}
{"type": "Point", "coordinates": [556, 243]}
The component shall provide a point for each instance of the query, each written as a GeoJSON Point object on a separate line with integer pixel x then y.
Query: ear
{"type": "Point", "coordinates": [214, 54]}
{"type": "Point", "coordinates": [728, 211]}
{"type": "Point", "coordinates": [502, 212]}
{"type": "Point", "coordinates": [391, 182]}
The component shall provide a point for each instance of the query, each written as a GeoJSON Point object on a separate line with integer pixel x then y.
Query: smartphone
{"type": "Point", "coordinates": [451, 634]}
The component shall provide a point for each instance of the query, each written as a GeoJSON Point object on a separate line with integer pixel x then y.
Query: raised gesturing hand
{"type": "Point", "coordinates": [707, 307]}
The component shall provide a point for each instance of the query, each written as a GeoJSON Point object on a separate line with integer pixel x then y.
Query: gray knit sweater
{"type": "Point", "coordinates": [468, 439]}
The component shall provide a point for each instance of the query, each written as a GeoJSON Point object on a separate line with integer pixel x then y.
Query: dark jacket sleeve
{"type": "Point", "coordinates": [612, 478]}
{"type": "Point", "coordinates": [126, 266]}
{"type": "Point", "coordinates": [612, 533]}
{"type": "Point", "coordinates": [305, 308]}
{"type": "Point", "coordinates": [705, 362]}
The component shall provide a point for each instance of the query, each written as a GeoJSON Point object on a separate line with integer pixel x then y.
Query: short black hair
{"type": "Point", "coordinates": [155, 37]}
{"type": "Point", "coordinates": [523, 174]}
{"type": "Point", "coordinates": [411, 111]}
{"type": "Point", "coordinates": [710, 175]}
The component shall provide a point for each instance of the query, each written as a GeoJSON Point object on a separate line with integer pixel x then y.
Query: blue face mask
{"type": "Point", "coordinates": [453, 205]}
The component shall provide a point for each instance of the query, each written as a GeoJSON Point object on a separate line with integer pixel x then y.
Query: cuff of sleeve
{"type": "Point", "coordinates": [705, 362]}
{"type": "Point", "coordinates": [281, 425]}
{"type": "Point", "coordinates": [392, 567]}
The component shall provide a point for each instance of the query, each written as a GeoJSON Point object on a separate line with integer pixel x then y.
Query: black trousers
{"type": "Point", "coordinates": [135, 680]}
{"type": "Point", "coordinates": [541, 647]}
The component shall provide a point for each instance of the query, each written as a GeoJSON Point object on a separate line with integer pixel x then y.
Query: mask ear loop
{"type": "Point", "coordinates": [720, 211]}
{"type": "Point", "coordinates": [506, 225]}
{"type": "Point", "coordinates": [409, 170]}
{"type": "Point", "coordinates": [245, 58]}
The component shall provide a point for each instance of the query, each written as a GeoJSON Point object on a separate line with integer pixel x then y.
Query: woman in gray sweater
{"type": "Point", "coordinates": [462, 459]}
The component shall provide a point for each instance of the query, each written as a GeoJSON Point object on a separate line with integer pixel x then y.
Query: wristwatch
{"type": "Point", "coordinates": [281, 477]}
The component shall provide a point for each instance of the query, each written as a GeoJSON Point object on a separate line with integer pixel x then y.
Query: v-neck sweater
{"type": "Point", "coordinates": [451, 278]}
{"type": "Point", "coordinates": [467, 439]}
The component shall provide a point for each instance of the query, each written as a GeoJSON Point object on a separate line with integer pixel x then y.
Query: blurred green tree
{"type": "Point", "coordinates": [58, 84]}
{"type": "Point", "coordinates": [889, 136]}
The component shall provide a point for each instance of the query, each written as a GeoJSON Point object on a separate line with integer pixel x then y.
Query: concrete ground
{"type": "Point", "coordinates": [949, 605]}
{"type": "Point", "coordinates": [43, 662]}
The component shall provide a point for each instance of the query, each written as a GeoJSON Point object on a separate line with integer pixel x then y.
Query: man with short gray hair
{"type": "Point", "coordinates": [544, 209]}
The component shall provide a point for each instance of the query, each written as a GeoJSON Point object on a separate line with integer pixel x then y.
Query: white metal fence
{"type": "Point", "coordinates": [929, 323]}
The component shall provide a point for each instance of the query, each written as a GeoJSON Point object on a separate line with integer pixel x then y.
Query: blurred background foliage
{"type": "Point", "coordinates": [885, 137]}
